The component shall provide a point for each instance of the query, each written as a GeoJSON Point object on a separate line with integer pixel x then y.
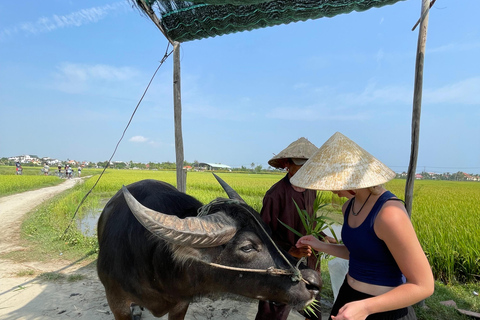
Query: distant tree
{"type": "Point", "coordinates": [459, 176]}
{"type": "Point", "coordinates": [169, 165]}
{"type": "Point", "coordinates": [152, 165]}
{"type": "Point", "coordinates": [90, 164]}
{"type": "Point", "coordinates": [6, 162]}
{"type": "Point", "coordinates": [258, 168]}
{"type": "Point", "coordinates": [425, 175]}
{"type": "Point", "coordinates": [120, 165]}
{"type": "Point", "coordinates": [102, 164]}
{"type": "Point", "coordinates": [186, 163]}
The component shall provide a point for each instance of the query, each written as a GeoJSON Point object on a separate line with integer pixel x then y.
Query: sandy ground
{"type": "Point", "coordinates": [31, 298]}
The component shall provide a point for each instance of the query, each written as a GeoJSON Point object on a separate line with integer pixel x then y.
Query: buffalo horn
{"type": "Point", "coordinates": [198, 232]}
{"type": "Point", "coordinates": [232, 194]}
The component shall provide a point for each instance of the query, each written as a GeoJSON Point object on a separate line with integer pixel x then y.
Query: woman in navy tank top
{"type": "Point", "coordinates": [388, 271]}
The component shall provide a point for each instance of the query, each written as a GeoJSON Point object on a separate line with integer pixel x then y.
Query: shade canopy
{"type": "Point", "coordinates": [183, 21]}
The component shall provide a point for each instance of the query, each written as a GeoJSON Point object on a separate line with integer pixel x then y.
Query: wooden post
{"type": "Point", "coordinates": [417, 105]}
{"type": "Point", "coordinates": [177, 106]}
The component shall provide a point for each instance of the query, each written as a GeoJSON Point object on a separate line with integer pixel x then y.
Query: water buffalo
{"type": "Point", "coordinates": [166, 253]}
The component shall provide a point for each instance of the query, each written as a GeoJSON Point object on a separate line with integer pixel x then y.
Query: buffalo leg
{"type": "Point", "coordinates": [119, 303]}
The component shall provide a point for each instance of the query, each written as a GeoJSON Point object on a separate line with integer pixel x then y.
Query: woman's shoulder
{"type": "Point", "coordinates": [391, 215]}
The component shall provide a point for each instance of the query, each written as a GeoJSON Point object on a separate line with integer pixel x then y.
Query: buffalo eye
{"type": "Point", "coordinates": [247, 248]}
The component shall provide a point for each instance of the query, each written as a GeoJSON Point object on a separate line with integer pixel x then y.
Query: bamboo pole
{"type": "Point", "coordinates": [177, 106]}
{"type": "Point", "coordinates": [417, 105]}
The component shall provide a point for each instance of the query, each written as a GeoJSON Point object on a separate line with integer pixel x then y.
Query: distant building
{"type": "Point", "coordinates": [469, 177]}
{"type": "Point", "coordinates": [213, 166]}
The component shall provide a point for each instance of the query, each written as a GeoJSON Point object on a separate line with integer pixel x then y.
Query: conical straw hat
{"type": "Point", "coordinates": [341, 164]}
{"type": "Point", "coordinates": [300, 149]}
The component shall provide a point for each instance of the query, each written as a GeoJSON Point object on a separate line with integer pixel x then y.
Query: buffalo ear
{"type": "Point", "coordinates": [232, 194]}
{"type": "Point", "coordinates": [198, 232]}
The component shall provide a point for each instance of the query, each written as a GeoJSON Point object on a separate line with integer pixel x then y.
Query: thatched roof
{"type": "Point", "coordinates": [185, 21]}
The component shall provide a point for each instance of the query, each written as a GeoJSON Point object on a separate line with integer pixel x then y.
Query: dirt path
{"type": "Point", "coordinates": [31, 298]}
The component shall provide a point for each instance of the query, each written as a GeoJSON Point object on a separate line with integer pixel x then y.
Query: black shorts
{"type": "Point", "coordinates": [348, 294]}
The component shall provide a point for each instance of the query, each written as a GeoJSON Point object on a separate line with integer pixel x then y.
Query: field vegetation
{"type": "Point", "coordinates": [31, 179]}
{"type": "Point", "coordinates": [445, 215]}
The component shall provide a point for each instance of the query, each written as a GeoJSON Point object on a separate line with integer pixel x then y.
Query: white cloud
{"type": "Point", "coordinates": [138, 139]}
{"type": "Point", "coordinates": [76, 78]}
{"type": "Point", "coordinates": [99, 71]}
{"type": "Point", "coordinates": [381, 95]}
{"type": "Point", "coordinates": [455, 47]}
{"type": "Point", "coordinates": [345, 106]}
{"type": "Point", "coordinates": [74, 19]}
{"type": "Point", "coordinates": [463, 92]}
{"type": "Point", "coordinates": [362, 106]}
{"type": "Point", "coordinates": [147, 141]}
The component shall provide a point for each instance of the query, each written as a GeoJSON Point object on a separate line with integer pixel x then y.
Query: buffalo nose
{"type": "Point", "coordinates": [313, 280]}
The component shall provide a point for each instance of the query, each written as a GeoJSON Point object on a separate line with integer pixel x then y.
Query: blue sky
{"type": "Point", "coordinates": [72, 72]}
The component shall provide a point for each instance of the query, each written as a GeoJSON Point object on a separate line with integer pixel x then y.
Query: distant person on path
{"type": "Point", "coordinates": [46, 169]}
{"type": "Point", "coordinates": [69, 172]}
{"type": "Point", "coordinates": [379, 240]}
{"type": "Point", "coordinates": [18, 168]}
{"type": "Point", "coordinates": [278, 204]}
{"type": "Point", "coordinates": [60, 170]}
{"type": "Point", "coordinates": [79, 171]}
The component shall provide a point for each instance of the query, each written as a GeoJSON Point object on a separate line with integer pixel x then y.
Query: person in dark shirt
{"type": "Point", "coordinates": [18, 168]}
{"type": "Point", "coordinates": [388, 270]}
{"type": "Point", "coordinates": [278, 204]}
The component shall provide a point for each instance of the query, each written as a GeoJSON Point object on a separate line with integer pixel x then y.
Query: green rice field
{"type": "Point", "coordinates": [10, 184]}
{"type": "Point", "coordinates": [445, 214]}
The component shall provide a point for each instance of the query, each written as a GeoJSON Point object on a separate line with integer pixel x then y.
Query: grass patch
{"type": "Point", "coordinates": [44, 228]}
{"type": "Point", "coordinates": [11, 184]}
{"type": "Point", "coordinates": [57, 276]}
{"type": "Point", "coordinates": [75, 277]}
{"type": "Point", "coordinates": [462, 294]}
{"type": "Point", "coordinates": [52, 276]}
{"type": "Point", "coordinates": [25, 273]}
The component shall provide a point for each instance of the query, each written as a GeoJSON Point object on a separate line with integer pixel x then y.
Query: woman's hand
{"type": "Point", "coordinates": [337, 250]}
{"type": "Point", "coordinates": [352, 311]}
{"type": "Point", "coordinates": [308, 241]}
